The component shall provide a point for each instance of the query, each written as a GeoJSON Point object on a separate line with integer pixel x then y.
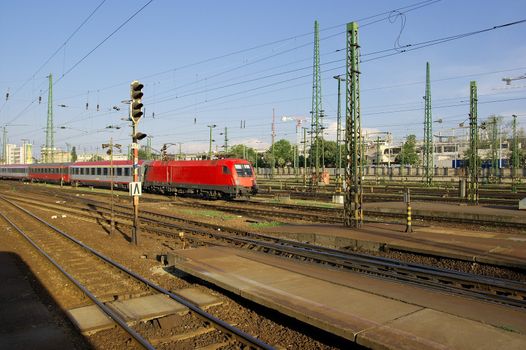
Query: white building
{"type": "Point", "coordinates": [18, 154]}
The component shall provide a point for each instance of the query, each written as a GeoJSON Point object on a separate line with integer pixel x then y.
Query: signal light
{"type": "Point", "coordinates": [136, 103]}
{"type": "Point", "coordinates": [139, 136]}
{"type": "Point", "coordinates": [164, 153]}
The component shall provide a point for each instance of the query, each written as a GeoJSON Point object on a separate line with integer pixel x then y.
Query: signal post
{"type": "Point", "coordinates": [136, 113]}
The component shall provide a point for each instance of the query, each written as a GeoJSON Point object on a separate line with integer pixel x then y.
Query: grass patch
{"type": "Point", "coordinates": [507, 328]}
{"type": "Point", "coordinates": [266, 224]}
{"type": "Point", "coordinates": [208, 213]}
{"type": "Point", "coordinates": [307, 203]}
{"type": "Point", "coordinates": [315, 204]}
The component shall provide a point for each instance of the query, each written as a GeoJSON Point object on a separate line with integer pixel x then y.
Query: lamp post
{"type": "Point", "coordinates": [210, 148]}
{"type": "Point", "coordinates": [110, 147]}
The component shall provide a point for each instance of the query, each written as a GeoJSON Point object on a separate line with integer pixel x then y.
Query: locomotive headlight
{"type": "Point", "coordinates": [237, 182]}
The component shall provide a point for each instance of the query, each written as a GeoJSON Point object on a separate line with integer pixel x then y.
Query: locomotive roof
{"type": "Point", "coordinates": [205, 162]}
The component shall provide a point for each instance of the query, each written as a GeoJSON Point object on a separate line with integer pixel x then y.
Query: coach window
{"type": "Point", "coordinates": [105, 171]}
{"type": "Point", "coordinates": [119, 171]}
{"type": "Point", "coordinates": [126, 171]}
{"type": "Point", "coordinates": [226, 170]}
{"type": "Point", "coordinates": [99, 171]}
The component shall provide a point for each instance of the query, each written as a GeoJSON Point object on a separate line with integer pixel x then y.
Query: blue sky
{"type": "Point", "coordinates": [163, 45]}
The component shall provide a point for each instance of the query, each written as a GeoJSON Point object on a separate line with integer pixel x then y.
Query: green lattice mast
{"type": "Point", "coordinates": [473, 190]}
{"type": "Point", "coordinates": [353, 214]}
{"type": "Point", "coordinates": [428, 133]}
{"type": "Point", "coordinates": [316, 104]}
{"type": "Point", "coordinates": [49, 155]}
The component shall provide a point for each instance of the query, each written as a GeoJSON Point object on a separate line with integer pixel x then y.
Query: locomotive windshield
{"type": "Point", "coordinates": [243, 169]}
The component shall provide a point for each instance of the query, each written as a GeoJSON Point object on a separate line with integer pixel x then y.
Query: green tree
{"type": "Point", "coordinates": [328, 153]}
{"type": "Point", "coordinates": [74, 154]}
{"type": "Point", "coordinates": [283, 152]}
{"type": "Point", "coordinates": [408, 155]}
{"type": "Point", "coordinates": [143, 153]}
{"type": "Point", "coordinates": [241, 151]}
{"type": "Point", "coordinates": [96, 158]}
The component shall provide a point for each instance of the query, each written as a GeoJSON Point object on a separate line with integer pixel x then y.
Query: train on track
{"type": "Point", "coordinates": [218, 178]}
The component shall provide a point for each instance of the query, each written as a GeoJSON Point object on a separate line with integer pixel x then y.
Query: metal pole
{"type": "Point", "coordinates": [408, 227]}
{"type": "Point", "coordinates": [295, 154]}
{"type": "Point", "coordinates": [377, 158]}
{"type": "Point", "coordinates": [515, 155]}
{"type": "Point", "coordinates": [473, 193]}
{"type": "Point", "coordinates": [304, 157]}
{"type": "Point", "coordinates": [112, 225]}
{"type": "Point", "coordinates": [338, 137]}
{"type": "Point", "coordinates": [210, 147]}
{"type": "Point", "coordinates": [428, 133]}
{"type": "Point", "coordinates": [273, 162]}
{"type": "Point", "coordinates": [135, 146]}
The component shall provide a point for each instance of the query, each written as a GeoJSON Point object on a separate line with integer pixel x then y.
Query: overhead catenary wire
{"type": "Point", "coordinates": [407, 8]}
{"type": "Point", "coordinates": [415, 46]}
{"type": "Point", "coordinates": [58, 49]}
{"type": "Point", "coordinates": [87, 55]}
{"type": "Point", "coordinates": [209, 90]}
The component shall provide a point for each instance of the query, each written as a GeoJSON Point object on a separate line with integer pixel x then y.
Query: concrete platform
{"type": "Point", "coordinates": [368, 311]}
{"type": "Point", "coordinates": [195, 296]}
{"type": "Point", "coordinates": [25, 322]}
{"type": "Point", "coordinates": [147, 308]}
{"type": "Point", "coordinates": [91, 319]}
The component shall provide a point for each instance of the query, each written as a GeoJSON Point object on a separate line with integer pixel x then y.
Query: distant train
{"type": "Point", "coordinates": [218, 178]}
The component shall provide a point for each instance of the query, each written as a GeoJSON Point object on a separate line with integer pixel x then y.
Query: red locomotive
{"type": "Point", "coordinates": [218, 178]}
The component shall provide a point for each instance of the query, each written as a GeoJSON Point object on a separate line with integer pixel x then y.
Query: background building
{"type": "Point", "coordinates": [14, 154]}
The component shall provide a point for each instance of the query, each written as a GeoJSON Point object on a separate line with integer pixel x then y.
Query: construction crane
{"type": "Point", "coordinates": [509, 80]}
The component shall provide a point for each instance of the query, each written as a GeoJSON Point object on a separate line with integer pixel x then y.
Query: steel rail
{"type": "Point", "coordinates": [225, 327]}
{"type": "Point", "coordinates": [108, 311]}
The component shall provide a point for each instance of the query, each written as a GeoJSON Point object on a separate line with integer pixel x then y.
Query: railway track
{"type": "Point", "coordinates": [103, 280]}
{"type": "Point", "coordinates": [335, 215]}
{"type": "Point", "coordinates": [394, 192]}
{"type": "Point", "coordinates": [489, 289]}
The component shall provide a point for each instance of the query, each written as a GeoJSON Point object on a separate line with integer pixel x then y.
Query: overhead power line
{"type": "Point", "coordinates": [86, 56]}
{"type": "Point", "coordinates": [384, 16]}
{"type": "Point", "coordinates": [104, 40]}
{"type": "Point", "coordinates": [59, 48]}
{"type": "Point", "coordinates": [415, 46]}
